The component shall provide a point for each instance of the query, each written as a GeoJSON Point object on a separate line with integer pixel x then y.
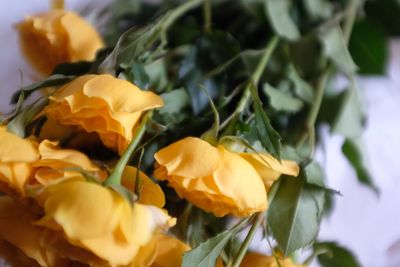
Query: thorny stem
{"type": "Point", "coordinates": [115, 176]}
{"type": "Point", "coordinates": [243, 249]}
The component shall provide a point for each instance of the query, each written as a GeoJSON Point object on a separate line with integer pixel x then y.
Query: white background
{"type": "Point", "coordinates": [362, 221]}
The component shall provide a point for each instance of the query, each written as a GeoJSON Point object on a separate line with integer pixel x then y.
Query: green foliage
{"type": "Point", "coordinates": [21, 121]}
{"type": "Point", "coordinates": [319, 9]}
{"type": "Point", "coordinates": [354, 151]}
{"type": "Point", "coordinates": [282, 101]}
{"type": "Point", "coordinates": [350, 116]}
{"type": "Point", "coordinates": [369, 47]}
{"type": "Point", "coordinates": [208, 52]}
{"type": "Point", "coordinates": [267, 135]}
{"type": "Point", "coordinates": [336, 50]}
{"type": "Point", "coordinates": [295, 212]}
{"type": "Point", "coordinates": [279, 14]}
{"type": "Point", "coordinates": [207, 253]}
{"type": "Point", "coordinates": [335, 256]}
{"type": "Point", "coordinates": [53, 80]}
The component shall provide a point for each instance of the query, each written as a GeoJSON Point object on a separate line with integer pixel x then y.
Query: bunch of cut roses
{"type": "Point", "coordinates": [60, 207]}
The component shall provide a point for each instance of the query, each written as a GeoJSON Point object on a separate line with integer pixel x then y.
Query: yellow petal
{"type": "Point", "coordinates": [84, 41]}
{"type": "Point", "coordinates": [270, 168]}
{"type": "Point", "coordinates": [82, 209]}
{"type": "Point", "coordinates": [15, 149]}
{"type": "Point", "coordinates": [150, 192]}
{"type": "Point", "coordinates": [121, 95]}
{"type": "Point", "coordinates": [190, 158]}
{"type": "Point", "coordinates": [253, 259]}
{"type": "Point", "coordinates": [54, 156]}
{"type": "Point", "coordinates": [16, 228]}
{"type": "Point", "coordinates": [170, 252]}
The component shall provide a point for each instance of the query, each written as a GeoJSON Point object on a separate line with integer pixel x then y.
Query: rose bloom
{"type": "Point", "coordinates": [16, 158]}
{"type": "Point", "coordinates": [56, 164]}
{"type": "Point", "coordinates": [56, 37]}
{"type": "Point", "coordinates": [217, 180]}
{"type": "Point", "coordinates": [252, 259]}
{"type": "Point", "coordinates": [102, 104]}
{"type": "Point", "coordinates": [100, 221]}
{"type": "Point", "coordinates": [17, 229]}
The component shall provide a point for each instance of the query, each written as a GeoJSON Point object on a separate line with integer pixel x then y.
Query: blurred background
{"type": "Point", "coordinates": [363, 221]}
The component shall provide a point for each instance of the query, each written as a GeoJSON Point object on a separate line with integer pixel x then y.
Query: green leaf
{"type": "Point", "coordinates": [53, 80]}
{"type": "Point", "coordinates": [207, 53]}
{"type": "Point", "coordinates": [19, 123]}
{"type": "Point", "coordinates": [157, 73]}
{"type": "Point", "coordinates": [355, 153]}
{"type": "Point", "coordinates": [269, 138]}
{"type": "Point", "coordinates": [386, 13]}
{"type": "Point", "coordinates": [302, 89]}
{"type": "Point", "coordinates": [315, 174]}
{"type": "Point", "coordinates": [207, 253]}
{"type": "Point", "coordinates": [350, 117]}
{"type": "Point", "coordinates": [279, 15]}
{"type": "Point", "coordinates": [369, 47]}
{"type": "Point", "coordinates": [137, 75]}
{"type": "Point", "coordinates": [282, 101]}
{"type": "Point", "coordinates": [73, 69]}
{"type": "Point", "coordinates": [319, 9]}
{"type": "Point", "coordinates": [291, 153]}
{"type": "Point", "coordinates": [174, 101]}
{"type": "Point", "coordinates": [294, 213]}
{"type": "Point", "coordinates": [336, 256]}
{"type": "Point", "coordinates": [336, 50]}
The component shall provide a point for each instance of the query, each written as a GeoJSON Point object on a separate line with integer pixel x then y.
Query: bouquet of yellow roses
{"type": "Point", "coordinates": [180, 126]}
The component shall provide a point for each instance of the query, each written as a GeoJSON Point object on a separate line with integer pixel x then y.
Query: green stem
{"type": "Point", "coordinates": [116, 175]}
{"type": "Point", "coordinates": [179, 11]}
{"type": "Point", "coordinates": [243, 249]}
{"type": "Point", "coordinates": [317, 252]}
{"type": "Point", "coordinates": [254, 79]}
{"type": "Point", "coordinates": [207, 15]}
{"type": "Point", "coordinates": [319, 93]}
{"type": "Point", "coordinates": [349, 22]}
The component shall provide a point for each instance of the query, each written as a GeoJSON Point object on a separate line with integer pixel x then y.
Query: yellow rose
{"type": "Point", "coordinates": [57, 164]}
{"type": "Point", "coordinates": [212, 178]}
{"type": "Point", "coordinates": [17, 229]}
{"type": "Point", "coordinates": [102, 104]}
{"type": "Point", "coordinates": [56, 37]}
{"type": "Point", "coordinates": [101, 221]}
{"type": "Point", "coordinates": [253, 259]}
{"type": "Point", "coordinates": [16, 158]}
{"type": "Point", "coordinates": [217, 180]}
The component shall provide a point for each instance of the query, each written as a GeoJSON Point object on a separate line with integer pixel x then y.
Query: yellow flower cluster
{"type": "Point", "coordinates": [55, 215]}
{"type": "Point", "coordinates": [59, 207]}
